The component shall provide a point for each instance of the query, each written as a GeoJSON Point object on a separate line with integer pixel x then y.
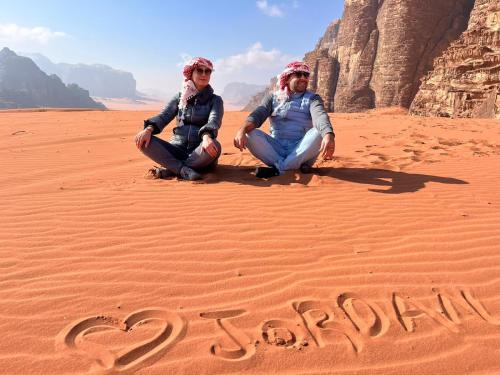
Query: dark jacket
{"type": "Point", "coordinates": [203, 114]}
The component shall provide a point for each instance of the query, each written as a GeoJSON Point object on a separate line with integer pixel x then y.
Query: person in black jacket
{"type": "Point", "coordinates": [193, 147]}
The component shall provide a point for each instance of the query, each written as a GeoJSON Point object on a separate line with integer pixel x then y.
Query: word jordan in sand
{"type": "Point", "coordinates": [315, 326]}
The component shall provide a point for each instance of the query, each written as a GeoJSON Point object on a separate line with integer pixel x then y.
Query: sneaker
{"type": "Point", "coordinates": [159, 173]}
{"type": "Point", "coordinates": [189, 174]}
{"type": "Point", "coordinates": [306, 169]}
{"type": "Point", "coordinates": [266, 172]}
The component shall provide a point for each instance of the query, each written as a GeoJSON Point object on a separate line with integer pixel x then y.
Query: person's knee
{"type": "Point", "coordinates": [314, 139]}
{"type": "Point", "coordinates": [314, 135]}
{"type": "Point", "coordinates": [151, 144]}
{"type": "Point", "coordinates": [256, 135]}
{"type": "Point", "coordinates": [256, 140]}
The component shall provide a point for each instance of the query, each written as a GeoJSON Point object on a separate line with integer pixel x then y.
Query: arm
{"type": "Point", "coordinates": [320, 118]}
{"type": "Point", "coordinates": [209, 131]}
{"type": "Point", "coordinates": [158, 122]}
{"type": "Point", "coordinates": [254, 120]}
{"type": "Point", "coordinates": [322, 123]}
{"type": "Point", "coordinates": [262, 112]}
{"type": "Point", "coordinates": [214, 119]}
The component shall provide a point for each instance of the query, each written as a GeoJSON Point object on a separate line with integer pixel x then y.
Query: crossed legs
{"type": "Point", "coordinates": [272, 153]}
{"type": "Point", "coordinates": [174, 157]}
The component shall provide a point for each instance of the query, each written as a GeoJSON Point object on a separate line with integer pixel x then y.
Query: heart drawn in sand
{"type": "Point", "coordinates": [131, 358]}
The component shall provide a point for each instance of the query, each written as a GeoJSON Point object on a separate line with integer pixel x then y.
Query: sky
{"type": "Point", "coordinates": [247, 40]}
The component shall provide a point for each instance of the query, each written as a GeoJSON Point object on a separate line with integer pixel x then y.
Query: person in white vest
{"type": "Point", "coordinates": [300, 127]}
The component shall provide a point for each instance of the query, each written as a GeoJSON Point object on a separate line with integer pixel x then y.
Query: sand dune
{"type": "Point", "coordinates": [385, 261]}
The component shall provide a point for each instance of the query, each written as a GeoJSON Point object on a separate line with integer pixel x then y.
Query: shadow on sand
{"type": "Point", "coordinates": [397, 182]}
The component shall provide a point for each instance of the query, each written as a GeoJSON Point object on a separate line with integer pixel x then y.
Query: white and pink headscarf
{"type": "Point", "coordinates": [283, 89]}
{"type": "Point", "coordinates": [188, 87]}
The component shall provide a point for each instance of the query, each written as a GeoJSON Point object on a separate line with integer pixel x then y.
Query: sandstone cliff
{"type": "Point", "coordinates": [465, 81]}
{"type": "Point", "coordinates": [24, 85]}
{"type": "Point", "coordinates": [377, 54]}
{"type": "Point", "coordinates": [324, 69]}
{"type": "Point", "coordinates": [385, 47]}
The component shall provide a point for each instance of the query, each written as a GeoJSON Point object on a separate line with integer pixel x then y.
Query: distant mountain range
{"type": "Point", "coordinates": [237, 94]}
{"type": "Point", "coordinates": [24, 85]}
{"type": "Point", "coordinates": [100, 80]}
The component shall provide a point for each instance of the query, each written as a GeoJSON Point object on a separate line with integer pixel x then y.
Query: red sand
{"type": "Point", "coordinates": [384, 262]}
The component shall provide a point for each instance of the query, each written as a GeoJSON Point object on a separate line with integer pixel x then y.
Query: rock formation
{"type": "Point", "coordinates": [100, 80]}
{"type": "Point", "coordinates": [465, 81]}
{"type": "Point", "coordinates": [24, 85]}
{"type": "Point", "coordinates": [324, 69]}
{"type": "Point", "coordinates": [377, 54]}
{"type": "Point", "coordinates": [385, 47]}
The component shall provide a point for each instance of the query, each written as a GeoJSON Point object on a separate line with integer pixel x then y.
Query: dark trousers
{"type": "Point", "coordinates": [174, 157]}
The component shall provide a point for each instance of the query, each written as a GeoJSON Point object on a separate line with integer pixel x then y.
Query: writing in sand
{"type": "Point", "coordinates": [348, 316]}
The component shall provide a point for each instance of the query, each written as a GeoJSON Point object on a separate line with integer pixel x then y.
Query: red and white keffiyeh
{"type": "Point", "coordinates": [188, 87]}
{"type": "Point", "coordinates": [283, 89]}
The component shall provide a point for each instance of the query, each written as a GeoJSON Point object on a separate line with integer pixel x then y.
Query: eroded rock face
{"type": "Point", "coordinates": [385, 47]}
{"type": "Point", "coordinates": [324, 69]}
{"type": "Point", "coordinates": [383, 52]}
{"type": "Point", "coordinates": [465, 81]}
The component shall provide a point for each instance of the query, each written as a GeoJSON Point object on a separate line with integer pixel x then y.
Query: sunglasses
{"type": "Point", "coordinates": [203, 71]}
{"type": "Point", "coordinates": [301, 74]}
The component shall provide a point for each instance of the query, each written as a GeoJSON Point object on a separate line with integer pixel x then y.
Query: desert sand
{"type": "Point", "coordinates": [385, 261]}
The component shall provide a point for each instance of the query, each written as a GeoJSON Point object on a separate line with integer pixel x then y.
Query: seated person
{"type": "Point", "coordinates": [193, 147]}
{"type": "Point", "coordinates": [300, 127]}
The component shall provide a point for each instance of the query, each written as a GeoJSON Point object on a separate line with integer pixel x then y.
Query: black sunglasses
{"type": "Point", "coordinates": [301, 74]}
{"type": "Point", "coordinates": [203, 71]}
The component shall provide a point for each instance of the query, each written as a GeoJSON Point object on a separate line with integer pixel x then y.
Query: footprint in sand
{"type": "Point", "coordinates": [130, 359]}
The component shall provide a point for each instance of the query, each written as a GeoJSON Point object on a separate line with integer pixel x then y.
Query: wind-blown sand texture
{"type": "Point", "coordinates": [386, 261]}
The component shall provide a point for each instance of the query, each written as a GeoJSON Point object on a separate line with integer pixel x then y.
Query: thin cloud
{"type": "Point", "coordinates": [256, 58]}
{"type": "Point", "coordinates": [270, 10]}
{"type": "Point", "coordinates": [185, 57]}
{"type": "Point", "coordinates": [10, 32]}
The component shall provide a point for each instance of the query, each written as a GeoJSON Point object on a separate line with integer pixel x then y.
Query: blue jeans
{"type": "Point", "coordinates": [285, 154]}
{"type": "Point", "coordinates": [174, 157]}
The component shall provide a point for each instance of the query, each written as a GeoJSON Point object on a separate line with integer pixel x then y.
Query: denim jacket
{"type": "Point", "coordinates": [293, 118]}
{"type": "Point", "coordinates": [203, 114]}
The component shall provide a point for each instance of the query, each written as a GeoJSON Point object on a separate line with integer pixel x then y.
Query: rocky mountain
{"type": "Point", "coordinates": [257, 98]}
{"type": "Point", "coordinates": [379, 52]}
{"type": "Point", "coordinates": [465, 80]}
{"type": "Point", "coordinates": [100, 80]}
{"type": "Point", "coordinates": [239, 93]}
{"type": "Point", "coordinates": [24, 85]}
{"type": "Point", "coordinates": [385, 47]}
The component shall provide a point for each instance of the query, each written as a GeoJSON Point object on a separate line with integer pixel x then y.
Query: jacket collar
{"type": "Point", "coordinates": [205, 94]}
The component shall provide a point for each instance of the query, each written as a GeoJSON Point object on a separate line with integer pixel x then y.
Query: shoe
{"type": "Point", "coordinates": [189, 174]}
{"type": "Point", "coordinates": [266, 172]}
{"type": "Point", "coordinates": [306, 169]}
{"type": "Point", "coordinates": [159, 173]}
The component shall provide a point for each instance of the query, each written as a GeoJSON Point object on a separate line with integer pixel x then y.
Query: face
{"type": "Point", "coordinates": [201, 77]}
{"type": "Point", "coordinates": [298, 81]}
